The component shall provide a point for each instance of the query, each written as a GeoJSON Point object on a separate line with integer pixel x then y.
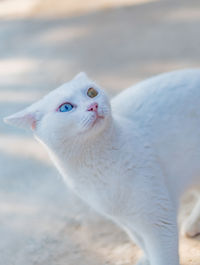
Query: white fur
{"type": "Point", "coordinates": [133, 165]}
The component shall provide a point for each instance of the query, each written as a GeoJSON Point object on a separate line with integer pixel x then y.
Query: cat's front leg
{"type": "Point", "coordinates": [159, 243]}
{"type": "Point", "coordinates": [155, 230]}
{"type": "Point", "coordinates": [162, 245]}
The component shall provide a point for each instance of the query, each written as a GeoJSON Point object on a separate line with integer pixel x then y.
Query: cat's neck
{"type": "Point", "coordinates": [83, 147]}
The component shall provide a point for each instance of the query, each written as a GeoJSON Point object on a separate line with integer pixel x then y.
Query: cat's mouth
{"type": "Point", "coordinates": [97, 119]}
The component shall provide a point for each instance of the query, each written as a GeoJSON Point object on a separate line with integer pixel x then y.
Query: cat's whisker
{"type": "Point", "coordinates": [86, 121]}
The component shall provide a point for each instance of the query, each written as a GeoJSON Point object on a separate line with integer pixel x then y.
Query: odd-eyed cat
{"type": "Point", "coordinates": [131, 160]}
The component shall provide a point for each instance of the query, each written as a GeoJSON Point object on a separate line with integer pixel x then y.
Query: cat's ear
{"type": "Point", "coordinates": [26, 118]}
{"type": "Point", "coordinates": [81, 75]}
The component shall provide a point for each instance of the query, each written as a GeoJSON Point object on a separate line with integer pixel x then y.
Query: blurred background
{"type": "Point", "coordinates": [44, 43]}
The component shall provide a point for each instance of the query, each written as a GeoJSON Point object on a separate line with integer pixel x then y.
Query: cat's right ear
{"type": "Point", "coordinates": [26, 118]}
{"type": "Point", "coordinates": [81, 75]}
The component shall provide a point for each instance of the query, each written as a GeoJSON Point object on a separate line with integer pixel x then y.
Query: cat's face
{"type": "Point", "coordinates": [78, 108]}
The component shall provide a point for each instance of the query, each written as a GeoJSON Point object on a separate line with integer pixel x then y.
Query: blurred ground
{"type": "Point", "coordinates": [42, 44]}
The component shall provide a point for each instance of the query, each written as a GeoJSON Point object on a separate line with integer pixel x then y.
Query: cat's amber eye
{"type": "Point", "coordinates": [92, 92]}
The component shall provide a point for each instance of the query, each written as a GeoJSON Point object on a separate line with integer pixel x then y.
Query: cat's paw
{"type": "Point", "coordinates": [143, 261]}
{"type": "Point", "coordinates": [191, 228]}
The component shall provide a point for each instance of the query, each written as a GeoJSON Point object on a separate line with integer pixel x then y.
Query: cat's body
{"type": "Point", "coordinates": [132, 165]}
{"type": "Point", "coordinates": [166, 109]}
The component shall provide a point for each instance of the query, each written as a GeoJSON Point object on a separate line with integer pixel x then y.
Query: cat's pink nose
{"type": "Point", "coordinates": [93, 107]}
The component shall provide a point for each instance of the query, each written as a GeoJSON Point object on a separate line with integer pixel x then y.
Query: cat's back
{"type": "Point", "coordinates": [159, 96]}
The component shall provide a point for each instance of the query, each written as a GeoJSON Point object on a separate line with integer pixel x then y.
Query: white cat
{"type": "Point", "coordinates": [131, 160]}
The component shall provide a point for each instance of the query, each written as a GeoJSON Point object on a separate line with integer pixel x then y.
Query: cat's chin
{"type": "Point", "coordinates": [99, 119]}
{"type": "Point", "coordinates": [97, 125]}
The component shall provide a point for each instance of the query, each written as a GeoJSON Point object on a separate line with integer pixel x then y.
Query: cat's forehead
{"type": "Point", "coordinates": [74, 87]}
{"type": "Point", "coordinates": [71, 90]}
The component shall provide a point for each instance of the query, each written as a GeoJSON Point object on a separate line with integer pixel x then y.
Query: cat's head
{"type": "Point", "coordinates": [77, 109]}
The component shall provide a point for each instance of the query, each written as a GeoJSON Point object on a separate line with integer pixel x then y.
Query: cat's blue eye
{"type": "Point", "coordinates": [65, 107]}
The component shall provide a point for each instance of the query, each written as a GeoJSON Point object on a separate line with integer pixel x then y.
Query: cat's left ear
{"type": "Point", "coordinates": [26, 118]}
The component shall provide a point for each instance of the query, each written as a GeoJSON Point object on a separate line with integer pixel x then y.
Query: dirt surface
{"type": "Point", "coordinates": [42, 45]}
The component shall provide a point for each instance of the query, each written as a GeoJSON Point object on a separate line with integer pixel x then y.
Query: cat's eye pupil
{"type": "Point", "coordinates": [92, 92]}
{"type": "Point", "coordinates": [65, 107]}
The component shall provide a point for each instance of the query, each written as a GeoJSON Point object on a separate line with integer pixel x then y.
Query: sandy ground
{"type": "Point", "coordinates": [41, 46]}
